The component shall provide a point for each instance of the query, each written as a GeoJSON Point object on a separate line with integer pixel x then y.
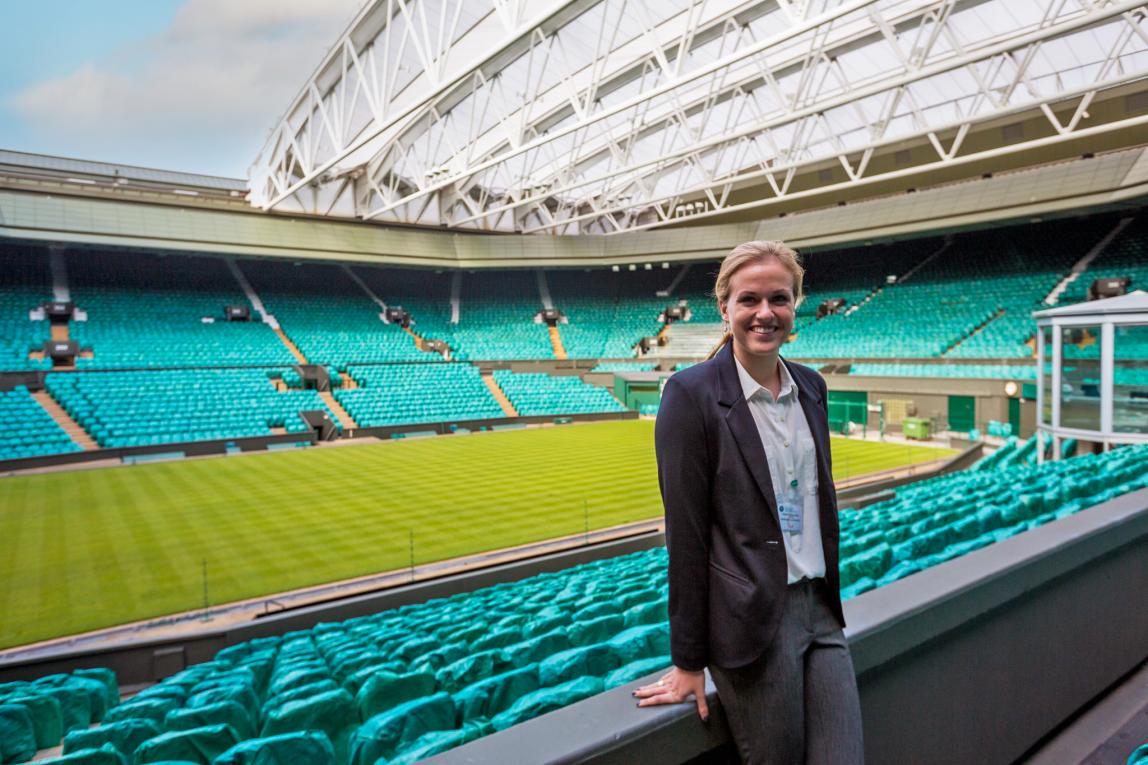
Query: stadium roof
{"type": "Point", "coordinates": [603, 116]}
{"type": "Point", "coordinates": [82, 171]}
{"type": "Point", "coordinates": [1135, 302]}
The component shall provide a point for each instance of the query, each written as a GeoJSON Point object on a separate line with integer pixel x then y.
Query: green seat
{"type": "Point", "coordinates": [300, 748]}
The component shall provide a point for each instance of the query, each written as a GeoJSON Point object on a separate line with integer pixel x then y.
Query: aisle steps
{"type": "Point", "coordinates": [337, 409]}
{"type": "Point", "coordinates": [74, 430]}
{"type": "Point", "coordinates": [499, 395]}
{"type": "Point", "coordinates": [556, 343]}
{"type": "Point", "coordinates": [291, 346]}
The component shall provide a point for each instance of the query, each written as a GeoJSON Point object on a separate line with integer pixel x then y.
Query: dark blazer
{"type": "Point", "coordinates": [728, 569]}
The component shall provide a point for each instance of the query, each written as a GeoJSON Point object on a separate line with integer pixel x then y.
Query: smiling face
{"type": "Point", "coordinates": [760, 310]}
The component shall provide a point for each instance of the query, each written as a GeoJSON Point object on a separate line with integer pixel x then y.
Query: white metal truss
{"type": "Point", "coordinates": [601, 116]}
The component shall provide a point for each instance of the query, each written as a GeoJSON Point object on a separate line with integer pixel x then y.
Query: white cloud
{"type": "Point", "coordinates": [201, 97]}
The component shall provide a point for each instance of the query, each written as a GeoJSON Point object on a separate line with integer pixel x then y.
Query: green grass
{"type": "Point", "coordinates": [94, 548]}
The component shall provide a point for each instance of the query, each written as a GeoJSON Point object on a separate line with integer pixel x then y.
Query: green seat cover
{"type": "Point", "coordinates": [154, 709]}
{"type": "Point", "coordinates": [310, 747]}
{"type": "Point", "coordinates": [488, 697]}
{"type": "Point", "coordinates": [47, 717]}
{"type": "Point", "coordinates": [104, 755]}
{"type": "Point", "coordinates": [240, 693]}
{"type": "Point", "coordinates": [297, 693]}
{"type": "Point", "coordinates": [124, 736]}
{"type": "Point", "coordinates": [75, 705]}
{"type": "Point", "coordinates": [332, 712]}
{"type": "Point", "coordinates": [467, 670]}
{"type": "Point", "coordinates": [382, 735]}
{"type": "Point", "coordinates": [537, 648]}
{"type": "Point", "coordinates": [547, 700]}
{"type": "Point", "coordinates": [437, 742]}
{"type": "Point", "coordinates": [385, 690]}
{"type": "Point", "coordinates": [636, 669]}
{"type": "Point", "coordinates": [641, 643]}
{"type": "Point", "coordinates": [96, 691]}
{"type": "Point", "coordinates": [201, 745]}
{"type": "Point", "coordinates": [593, 660]}
{"type": "Point", "coordinates": [222, 712]}
{"type": "Point", "coordinates": [295, 678]}
{"type": "Point", "coordinates": [595, 630]}
{"type": "Point", "coordinates": [17, 734]}
{"type": "Point", "coordinates": [105, 676]}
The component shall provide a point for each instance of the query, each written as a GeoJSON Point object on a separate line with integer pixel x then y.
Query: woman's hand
{"type": "Point", "coordinates": [675, 687]}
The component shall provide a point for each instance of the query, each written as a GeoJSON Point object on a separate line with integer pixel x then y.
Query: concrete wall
{"type": "Point", "coordinates": [931, 395]}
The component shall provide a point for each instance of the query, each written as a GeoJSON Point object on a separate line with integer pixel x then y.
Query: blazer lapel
{"type": "Point", "coordinates": [741, 424]}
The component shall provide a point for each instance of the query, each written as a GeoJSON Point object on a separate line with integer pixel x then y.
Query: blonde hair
{"type": "Point", "coordinates": [755, 252]}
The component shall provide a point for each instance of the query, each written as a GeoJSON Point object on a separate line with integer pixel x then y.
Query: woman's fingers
{"type": "Point", "coordinates": [675, 687]}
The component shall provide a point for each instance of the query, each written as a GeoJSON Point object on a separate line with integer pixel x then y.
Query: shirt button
{"type": "Point", "coordinates": [787, 443]}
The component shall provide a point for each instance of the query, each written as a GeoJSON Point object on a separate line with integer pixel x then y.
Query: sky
{"type": "Point", "coordinates": [188, 85]}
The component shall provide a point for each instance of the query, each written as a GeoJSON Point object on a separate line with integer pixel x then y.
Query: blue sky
{"type": "Point", "coordinates": [191, 85]}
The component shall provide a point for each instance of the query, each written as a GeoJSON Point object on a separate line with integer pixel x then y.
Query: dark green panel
{"type": "Point", "coordinates": [847, 406]}
{"type": "Point", "coordinates": [962, 412]}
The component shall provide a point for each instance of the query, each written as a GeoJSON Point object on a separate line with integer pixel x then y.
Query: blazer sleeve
{"type": "Point", "coordinates": [684, 476]}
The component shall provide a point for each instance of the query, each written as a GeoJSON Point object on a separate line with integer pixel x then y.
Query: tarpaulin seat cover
{"type": "Point", "coordinates": [385, 690]}
{"type": "Point", "coordinates": [547, 700]}
{"type": "Point", "coordinates": [488, 697]}
{"type": "Point", "coordinates": [381, 735]}
{"type": "Point", "coordinates": [201, 745]}
{"type": "Point", "coordinates": [332, 712]}
{"type": "Point", "coordinates": [221, 712]}
{"type": "Point", "coordinates": [47, 717]}
{"type": "Point", "coordinates": [17, 734]}
{"type": "Point", "coordinates": [125, 736]}
{"type": "Point", "coordinates": [300, 748]}
{"type": "Point", "coordinates": [103, 755]}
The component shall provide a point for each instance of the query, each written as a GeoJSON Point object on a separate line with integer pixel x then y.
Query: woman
{"type": "Point", "coordinates": [751, 525]}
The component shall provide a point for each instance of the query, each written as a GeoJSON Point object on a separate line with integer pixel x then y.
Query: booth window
{"type": "Point", "coordinates": [1130, 388]}
{"type": "Point", "coordinates": [1080, 378]}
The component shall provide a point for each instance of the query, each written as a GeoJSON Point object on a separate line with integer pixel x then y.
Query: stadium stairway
{"type": "Point", "coordinates": [499, 395]}
{"type": "Point", "coordinates": [974, 331]}
{"type": "Point", "coordinates": [291, 346]}
{"type": "Point", "coordinates": [556, 343]}
{"type": "Point", "coordinates": [1082, 265]}
{"type": "Point", "coordinates": [344, 418]}
{"type": "Point", "coordinates": [74, 430]}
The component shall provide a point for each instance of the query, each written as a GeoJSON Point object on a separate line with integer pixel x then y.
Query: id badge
{"type": "Point", "coordinates": [792, 515]}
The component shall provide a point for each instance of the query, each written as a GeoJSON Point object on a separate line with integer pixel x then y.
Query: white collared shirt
{"type": "Point", "coordinates": [792, 457]}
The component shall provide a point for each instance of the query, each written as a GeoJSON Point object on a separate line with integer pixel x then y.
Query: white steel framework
{"type": "Point", "coordinates": [601, 116]}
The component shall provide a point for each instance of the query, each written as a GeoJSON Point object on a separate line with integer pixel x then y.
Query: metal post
{"type": "Point", "coordinates": [206, 602]}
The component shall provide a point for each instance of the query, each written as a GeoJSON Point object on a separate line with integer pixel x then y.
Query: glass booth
{"type": "Point", "coordinates": [1092, 372]}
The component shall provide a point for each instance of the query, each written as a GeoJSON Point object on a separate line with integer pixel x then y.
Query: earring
{"type": "Point", "coordinates": [725, 328]}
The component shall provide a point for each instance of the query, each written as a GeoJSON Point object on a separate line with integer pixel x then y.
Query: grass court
{"type": "Point", "coordinates": [88, 549]}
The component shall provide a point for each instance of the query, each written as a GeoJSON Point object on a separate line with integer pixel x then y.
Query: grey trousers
{"type": "Point", "coordinates": [798, 703]}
